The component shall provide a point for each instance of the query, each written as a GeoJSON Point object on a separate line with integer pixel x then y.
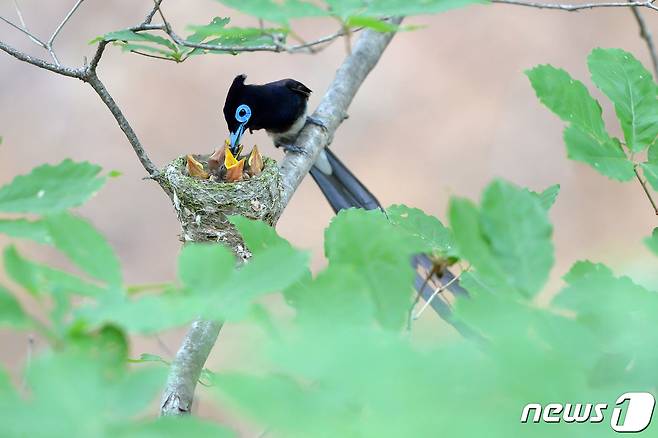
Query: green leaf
{"type": "Point", "coordinates": [84, 246]}
{"type": "Point", "coordinates": [507, 241]}
{"type": "Point", "coordinates": [371, 23]}
{"type": "Point", "coordinates": [430, 232]}
{"type": "Point", "coordinates": [390, 8]}
{"type": "Point", "coordinates": [38, 279]}
{"type": "Point", "coordinates": [276, 11]}
{"type": "Point", "coordinates": [49, 189]}
{"type": "Point", "coordinates": [568, 99]}
{"type": "Point", "coordinates": [586, 137]}
{"type": "Point", "coordinates": [548, 196]}
{"type": "Point", "coordinates": [381, 252]}
{"type": "Point", "coordinates": [631, 88]}
{"type": "Point", "coordinates": [172, 427]}
{"type": "Point", "coordinates": [652, 242]}
{"type": "Point", "coordinates": [607, 158]}
{"type": "Point", "coordinates": [519, 234]}
{"type": "Point", "coordinates": [24, 229]}
{"type": "Point", "coordinates": [71, 394]}
{"type": "Point", "coordinates": [130, 36]}
{"type": "Point", "coordinates": [147, 357]}
{"type": "Point", "coordinates": [203, 268]}
{"type": "Point", "coordinates": [11, 312]}
{"type": "Point", "coordinates": [650, 167]}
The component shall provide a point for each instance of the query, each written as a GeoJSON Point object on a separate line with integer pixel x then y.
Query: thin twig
{"type": "Point", "coordinates": [645, 34]}
{"type": "Point", "coordinates": [643, 183]}
{"type": "Point", "coordinates": [66, 71]}
{"type": "Point", "coordinates": [75, 7]}
{"type": "Point", "coordinates": [92, 79]}
{"type": "Point", "coordinates": [577, 7]}
{"type": "Point", "coordinates": [151, 14]}
{"type": "Point", "coordinates": [22, 20]}
{"type": "Point", "coordinates": [25, 31]}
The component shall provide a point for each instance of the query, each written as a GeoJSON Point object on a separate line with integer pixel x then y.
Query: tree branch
{"type": "Point", "coordinates": [645, 34]}
{"type": "Point", "coordinates": [92, 79]}
{"type": "Point", "coordinates": [187, 366]}
{"type": "Point", "coordinates": [577, 7]}
{"type": "Point", "coordinates": [332, 110]}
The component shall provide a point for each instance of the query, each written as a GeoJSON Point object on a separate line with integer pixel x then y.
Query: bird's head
{"type": "Point", "coordinates": [236, 113]}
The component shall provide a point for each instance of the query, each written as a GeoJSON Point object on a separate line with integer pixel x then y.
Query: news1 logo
{"type": "Point", "coordinates": [638, 412]}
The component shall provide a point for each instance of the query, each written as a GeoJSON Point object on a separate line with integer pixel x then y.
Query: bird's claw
{"type": "Point", "coordinates": [317, 122]}
{"type": "Point", "coordinates": [292, 148]}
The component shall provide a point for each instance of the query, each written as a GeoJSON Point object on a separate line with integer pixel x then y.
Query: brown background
{"type": "Point", "coordinates": [451, 98]}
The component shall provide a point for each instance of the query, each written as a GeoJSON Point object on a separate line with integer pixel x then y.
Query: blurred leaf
{"type": "Point", "coordinates": [519, 234]}
{"type": "Point", "coordinates": [147, 357]}
{"type": "Point", "coordinates": [650, 167]}
{"type": "Point", "coordinates": [11, 312]}
{"type": "Point", "coordinates": [391, 8]}
{"type": "Point", "coordinates": [382, 254]}
{"type": "Point", "coordinates": [85, 247]}
{"type": "Point", "coordinates": [72, 395]}
{"type": "Point", "coordinates": [585, 137]}
{"type": "Point", "coordinates": [173, 427]}
{"type": "Point", "coordinates": [49, 189]}
{"type": "Point", "coordinates": [205, 267]}
{"type": "Point", "coordinates": [371, 23]}
{"type": "Point", "coordinates": [276, 11]}
{"type": "Point", "coordinates": [38, 279]}
{"type": "Point", "coordinates": [652, 242]}
{"type": "Point", "coordinates": [431, 233]}
{"type": "Point", "coordinates": [507, 241]}
{"type": "Point", "coordinates": [631, 88]}
{"type": "Point", "coordinates": [548, 196]}
{"type": "Point", "coordinates": [24, 229]}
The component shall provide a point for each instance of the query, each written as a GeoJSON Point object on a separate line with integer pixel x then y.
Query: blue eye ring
{"type": "Point", "coordinates": [243, 113]}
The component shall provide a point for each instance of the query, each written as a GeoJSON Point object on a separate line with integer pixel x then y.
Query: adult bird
{"type": "Point", "coordinates": [280, 108]}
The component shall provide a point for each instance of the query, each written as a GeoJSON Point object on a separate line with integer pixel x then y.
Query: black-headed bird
{"type": "Point", "coordinates": [280, 108]}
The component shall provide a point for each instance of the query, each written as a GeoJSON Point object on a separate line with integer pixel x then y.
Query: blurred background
{"type": "Point", "coordinates": [451, 98]}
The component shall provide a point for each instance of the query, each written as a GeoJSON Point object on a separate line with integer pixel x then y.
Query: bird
{"type": "Point", "coordinates": [280, 108]}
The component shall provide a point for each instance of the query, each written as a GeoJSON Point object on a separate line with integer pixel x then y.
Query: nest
{"type": "Point", "coordinates": [203, 205]}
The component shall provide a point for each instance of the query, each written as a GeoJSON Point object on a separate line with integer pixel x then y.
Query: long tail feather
{"type": "Point", "coordinates": [341, 188]}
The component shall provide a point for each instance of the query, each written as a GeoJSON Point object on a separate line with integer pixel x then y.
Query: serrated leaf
{"type": "Point", "coordinates": [276, 11]}
{"type": "Point", "coordinates": [607, 158]}
{"type": "Point", "coordinates": [568, 99]}
{"type": "Point", "coordinates": [24, 229]}
{"type": "Point", "coordinates": [652, 242]}
{"type": "Point", "coordinates": [382, 253]}
{"type": "Point", "coordinates": [130, 36]}
{"type": "Point", "coordinates": [38, 279]}
{"type": "Point", "coordinates": [507, 241]}
{"type": "Point", "coordinates": [84, 246]}
{"type": "Point", "coordinates": [49, 189]}
{"type": "Point", "coordinates": [650, 167]}
{"type": "Point", "coordinates": [11, 312]}
{"type": "Point", "coordinates": [632, 90]}
{"type": "Point", "coordinates": [586, 137]}
{"type": "Point", "coordinates": [519, 234]}
{"type": "Point", "coordinates": [435, 237]}
{"type": "Point", "coordinates": [548, 196]}
{"type": "Point", "coordinates": [73, 395]}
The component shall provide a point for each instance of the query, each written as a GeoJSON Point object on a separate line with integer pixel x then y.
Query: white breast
{"type": "Point", "coordinates": [291, 134]}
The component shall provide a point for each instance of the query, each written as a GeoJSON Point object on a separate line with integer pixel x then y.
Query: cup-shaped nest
{"type": "Point", "coordinates": [203, 205]}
